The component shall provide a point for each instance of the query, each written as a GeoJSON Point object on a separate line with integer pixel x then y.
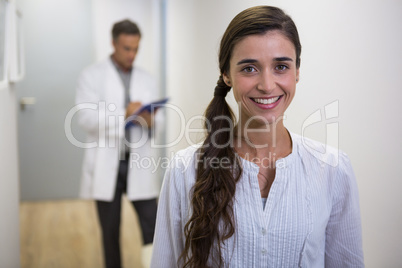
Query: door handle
{"type": "Point", "coordinates": [27, 101]}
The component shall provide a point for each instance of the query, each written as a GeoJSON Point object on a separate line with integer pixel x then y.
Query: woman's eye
{"type": "Point", "coordinates": [281, 67]}
{"type": "Point", "coordinates": [249, 69]}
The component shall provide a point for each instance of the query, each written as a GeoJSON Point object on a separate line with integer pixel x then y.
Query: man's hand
{"type": "Point", "coordinates": [132, 107]}
{"type": "Point", "coordinates": [146, 117]}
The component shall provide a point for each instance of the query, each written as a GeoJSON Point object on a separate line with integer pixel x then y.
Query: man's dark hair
{"type": "Point", "coordinates": [125, 27]}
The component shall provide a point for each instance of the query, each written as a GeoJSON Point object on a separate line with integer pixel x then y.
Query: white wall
{"type": "Point", "coordinates": [351, 54]}
{"type": "Point", "coordinates": [9, 185]}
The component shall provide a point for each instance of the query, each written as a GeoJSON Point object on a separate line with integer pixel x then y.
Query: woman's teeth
{"type": "Point", "coordinates": [266, 101]}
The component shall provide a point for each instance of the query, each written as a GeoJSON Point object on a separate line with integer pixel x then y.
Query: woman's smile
{"type": "Point", "coordinates": [267, 103]}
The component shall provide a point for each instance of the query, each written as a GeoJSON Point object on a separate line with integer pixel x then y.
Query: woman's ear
{"type": "Point", "coordinates": [297, 75]}
{"type": "Point", "coordinates": [226, 79]}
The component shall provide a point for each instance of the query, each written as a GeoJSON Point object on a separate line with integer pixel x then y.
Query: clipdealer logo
{"type": "Point", "coordinates": [108, 136]}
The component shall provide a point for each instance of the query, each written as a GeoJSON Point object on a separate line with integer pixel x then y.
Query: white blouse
{"type": "Point", "coordinates": [311, 217]}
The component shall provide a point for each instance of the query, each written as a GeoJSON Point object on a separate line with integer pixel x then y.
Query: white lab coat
{"type": "Point", "coordinates": [100, 94]}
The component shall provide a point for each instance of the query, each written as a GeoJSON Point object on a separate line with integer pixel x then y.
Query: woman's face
{"type": "Point", "coordinates": [263, 76]}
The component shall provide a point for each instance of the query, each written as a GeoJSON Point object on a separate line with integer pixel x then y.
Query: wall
{"type": "Point", "coordinates": [9, 185]}
{"type": "Point", "coordinates": [351, 56]}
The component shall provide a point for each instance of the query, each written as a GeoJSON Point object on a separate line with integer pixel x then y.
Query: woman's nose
{"type": "Point", "coordinates": [266, 82]}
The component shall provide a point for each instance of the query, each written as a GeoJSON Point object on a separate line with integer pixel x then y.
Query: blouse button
{"type": "Point", "coordinates": [264, 231]}
{"type": "Point", "coordinates": [264, 251]}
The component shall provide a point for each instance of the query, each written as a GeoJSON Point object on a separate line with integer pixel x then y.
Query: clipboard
{"type": "Point", "coordinates": [153, 106]}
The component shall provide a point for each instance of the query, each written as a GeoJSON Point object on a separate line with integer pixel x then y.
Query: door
{"type": "Point", "coordinates": [58, 45]}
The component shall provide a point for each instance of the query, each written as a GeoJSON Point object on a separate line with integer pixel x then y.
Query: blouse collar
{"type": "Point", "coordinates": [284, 162]}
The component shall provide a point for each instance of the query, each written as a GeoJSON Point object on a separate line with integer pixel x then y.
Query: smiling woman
{"type": "Point", "coordinates": [253, 195]}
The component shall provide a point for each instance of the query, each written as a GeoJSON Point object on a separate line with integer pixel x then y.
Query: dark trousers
{"type": "Point", "coordinates": [109, 214]}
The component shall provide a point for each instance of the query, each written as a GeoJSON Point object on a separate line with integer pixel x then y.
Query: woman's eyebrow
{"type": "Point", "coordinates": [246, 61]}
{"type": "Point", "coordinates": [254, 61]}
{"type": "Point", "coordinates": [283, 59]}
